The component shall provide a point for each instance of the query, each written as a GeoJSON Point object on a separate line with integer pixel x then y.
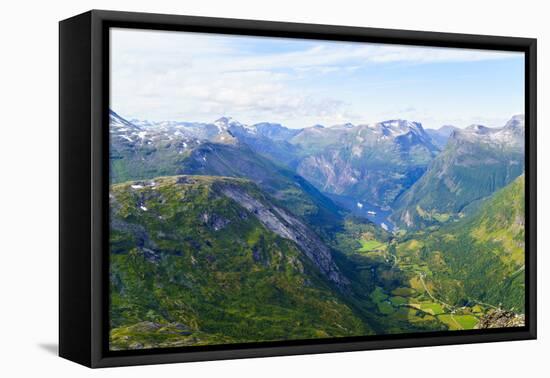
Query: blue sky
{"type": "Point", "coordinates": [200, 77]}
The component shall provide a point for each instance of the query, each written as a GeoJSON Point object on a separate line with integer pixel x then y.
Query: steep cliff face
{"type": "Point", "coordinates": [371, 163]}
{"type": "Point", "coordinates": [289, 227]}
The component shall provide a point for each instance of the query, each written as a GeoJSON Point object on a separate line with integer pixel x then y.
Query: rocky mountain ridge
{"type": "Point", "coordinates": [391, 164]}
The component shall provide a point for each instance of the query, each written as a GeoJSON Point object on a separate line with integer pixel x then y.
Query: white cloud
{"type": "Point", "coordinates": [173, 75]}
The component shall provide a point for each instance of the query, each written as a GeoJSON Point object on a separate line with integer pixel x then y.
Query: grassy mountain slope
{"type": "Point", "coordinates": [479, 258]}
{"type": "Point", "coordinates": [190, 265]}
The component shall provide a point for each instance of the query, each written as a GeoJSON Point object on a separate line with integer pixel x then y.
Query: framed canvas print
{"type": "Point", "coordinates": [235, 188]}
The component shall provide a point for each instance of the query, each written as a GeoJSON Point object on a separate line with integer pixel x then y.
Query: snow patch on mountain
{"type": "Point", "coordinates": [511, 135]}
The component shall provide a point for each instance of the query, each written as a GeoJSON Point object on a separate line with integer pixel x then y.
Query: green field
{"type": "Point", "coordinates": [385, 308]}
{"type": "Point", "coordinates": [398, 301]}
{"type": "Point", "coordinates": [371, 245]}
{"type": "Point", "coordinates": [378, 295]}
{"type": "Point", "coordinates": [432, 308]}
{"type": "Point", "coordinates": [403, 291]}
{"type": "Point", "coordinates": [458, 322]}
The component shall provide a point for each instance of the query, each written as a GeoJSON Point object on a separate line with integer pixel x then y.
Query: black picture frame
{"type": "Point", "coordinates": [84, 186]}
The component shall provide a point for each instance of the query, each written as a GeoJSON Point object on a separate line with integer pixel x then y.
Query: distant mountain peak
{"type": "Point", "coordinates": [478, 129]}
{"type": "Point", "coordinates": [517, 121]}
{"type": "Point", "coordinates": [397, 127]}
{"type": "Point", "coordinates": [275, 131]}
{"type": "Point", "coordinates": [346, 125]}
{"type": "Point", "coordinates": [441, 136]}
{"type": "Point", "coordinates": [447, 129]}
{"type": "Point", "coordinates": [401, 123]}
{"type": "Point", "coordinates": [511, 134]}
{"type": "Point", "coordinates": [226, 122]}
{"type": "Point", "coordinates": [270, 124]}
{"type": "Point", "coordinates": [518, 117]}
{"type": "Point", "coordinates": [114, 115]}
{"type": "Point", "coordinates": [116, 121]}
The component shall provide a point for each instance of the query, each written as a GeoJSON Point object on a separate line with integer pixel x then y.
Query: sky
{"type": "Point", "coordinates": [182, 76]}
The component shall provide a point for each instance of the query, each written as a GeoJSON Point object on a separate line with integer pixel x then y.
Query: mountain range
{"type": "Point", "coordinates": [475, 163]}
{"type": "Point", "coordinates": [420, 176]}
{"type": "Point", "coordinates": [225, 232]}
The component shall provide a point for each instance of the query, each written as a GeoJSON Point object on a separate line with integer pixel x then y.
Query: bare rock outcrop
{"type": "Point", "coordinates": [501, 319]}
{"type": "Point", "coordinates": [289, 227]}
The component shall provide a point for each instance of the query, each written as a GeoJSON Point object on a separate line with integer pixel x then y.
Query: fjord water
{"type": "Point", "coordinates": [375, 214]}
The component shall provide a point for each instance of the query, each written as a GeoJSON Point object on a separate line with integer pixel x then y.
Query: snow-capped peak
{"type": "Point", "coordinates": [116, 120]}
{"type": "Point", "coordinates": [511, 134]}
{"type": "Point", "coordinates": [478, 129]}
{"type": "Point", "coordinates": [513, 131]}
{"type": "Point", "coordinates": [517, 121]}
{"type": "Point", "coordinates": [119, 124]}
{"type": "Point", "coordinates": [224, 123]}
{"type": "Point", "coordinates": [398, 127]}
